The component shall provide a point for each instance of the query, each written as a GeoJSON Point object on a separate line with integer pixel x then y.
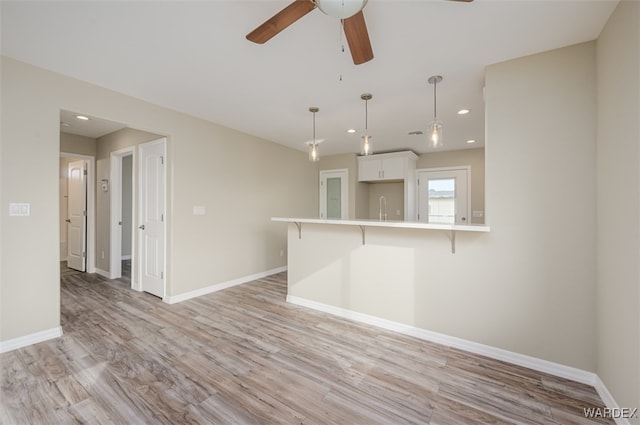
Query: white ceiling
{"type": "Point", "coordinates": [93, 127]}
{"type": "Point", "coordinates": [192, 56]}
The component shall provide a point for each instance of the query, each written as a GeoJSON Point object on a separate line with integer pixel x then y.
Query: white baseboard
{"type": "Point", "coordinates": [530, 362]}
{"type": "Point", "coordinates": [34, 338]}
{"type": "Point", "coordinates": [609, 401]}
{"type": "Point", "coordinates": [103, 273]}
{"type": "Point", "coordinates": [220, 286]}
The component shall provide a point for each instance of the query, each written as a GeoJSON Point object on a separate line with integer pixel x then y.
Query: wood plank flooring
{"type": "Point", "coordinates": [245, 356]}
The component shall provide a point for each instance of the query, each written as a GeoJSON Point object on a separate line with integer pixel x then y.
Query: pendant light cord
{"type": "Point", "coordinates": [366, 117]}
{"type": "Point", "coordinates": [435, 103]}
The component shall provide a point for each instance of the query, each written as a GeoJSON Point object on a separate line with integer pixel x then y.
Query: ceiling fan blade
{"type": "Point", "coordinates": [355, 29]}
{"type": "Point", "coordinates": [280, 21]}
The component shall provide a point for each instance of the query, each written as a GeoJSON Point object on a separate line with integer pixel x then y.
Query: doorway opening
{"type": "Point", "coordinates": [334, 194]}
{"type": "Point", "coordinates": [443, 195]}
{"type": "Point", "coordinates": [122, 213]}
{"type": "Point", "coordinates": [77, 211]}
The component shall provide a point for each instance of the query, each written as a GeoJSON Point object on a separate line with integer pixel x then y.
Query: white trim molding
{"type": "Point", "coordinates": [220, 286]}
{"type": "Point", "coordinates": [609, 401]}
{"type": "Point", "coordinates": [540, 365]}
{"type": "Point", "coordinates": [34, 338]}
{"type": "Point", "coordinates": [102, 273]}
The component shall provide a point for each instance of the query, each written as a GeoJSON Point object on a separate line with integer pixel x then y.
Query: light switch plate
{"type": "Point", "coordinates": [19, 209]}
{"type": "Point", "coordinates": [478, 214]}
{"type": "Point", "coordinates": [198, 210]}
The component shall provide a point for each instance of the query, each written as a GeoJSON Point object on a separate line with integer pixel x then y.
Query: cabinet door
{"type": "Point", "coordinates": [369, 169]}
{"type": "Point", "coordinates": [393, 168]}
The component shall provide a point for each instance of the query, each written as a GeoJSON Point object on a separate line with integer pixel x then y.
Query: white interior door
{"type": "Point", "coordinates": [443, 196]}
{"type": "Point", "coordinates": [152, 215]}
{"type": "Point", "coordinates": [333, 194]}
{"type": "Point", "coordinates": [77, 215]}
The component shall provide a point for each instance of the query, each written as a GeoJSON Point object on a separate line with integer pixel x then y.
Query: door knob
{"type": "Point", "coordinates": [68, 220]}
{"type": "Point", "coordinates": [141, 227]}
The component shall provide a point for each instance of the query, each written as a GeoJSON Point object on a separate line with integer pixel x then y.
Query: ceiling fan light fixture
{"type": "Point", "coordinates": [435, 127]}
{"type": "Point", "coordinates": [341, 9]}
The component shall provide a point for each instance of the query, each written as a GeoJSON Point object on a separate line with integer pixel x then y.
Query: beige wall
{"type": "Point", "coordinates": [81, 145]}
{"type": "Point", "coordinates": [618, 307]}
{"type": "Point", "coordinates": [528, 286]}
{"type": "Point", "coordinates": [544, 255]}
{"type": "Point", "coordinates": [242, 180]}
{"type": "Point", "coordinates": [471, 157]}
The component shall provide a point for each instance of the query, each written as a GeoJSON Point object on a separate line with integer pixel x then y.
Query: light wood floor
{"type": "Point", "coordinates": [244, 356]}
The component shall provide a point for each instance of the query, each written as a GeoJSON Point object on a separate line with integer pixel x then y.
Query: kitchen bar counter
{"type": "Point", "coordinates": [363, 224]}
{"type": "Point", "coordinates": [389, 223]}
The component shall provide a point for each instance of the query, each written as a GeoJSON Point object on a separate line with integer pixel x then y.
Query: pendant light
{"type": "Point", "coordinates": [314, 154]}
{"type": "Point", "coordinates": [435, 127]}
{"type": "Point", "coordinates": [366, 139]}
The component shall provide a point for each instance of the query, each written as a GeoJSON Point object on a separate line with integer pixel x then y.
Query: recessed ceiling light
{"type": "Point", "coordinates": [65, 124]}
{"type": "Point", "coordinates": [82, 117]}
{"type": "Point", "coordinates": [351, 130]}
{"type": "Point", "coordinates": [464, 111]}
{"type": "Point", "coordinates": [471, 141]}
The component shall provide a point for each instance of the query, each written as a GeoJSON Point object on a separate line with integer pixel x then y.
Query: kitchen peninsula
{"type": "Point", "coordinates": [394, 273]}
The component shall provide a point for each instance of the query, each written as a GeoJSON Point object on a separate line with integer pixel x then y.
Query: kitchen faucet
{"type": "Point", "coordinates": [382, 212]}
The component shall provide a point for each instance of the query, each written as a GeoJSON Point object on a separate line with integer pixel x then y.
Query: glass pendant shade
{"type": "Point", "coordinates": [314, 155]}
{"type": "Point", "coordinates": [435, 134]}
{"type": "Point", "coordinates": [341, 9]}
{"type": "Point", "coordinates": [366, 145]}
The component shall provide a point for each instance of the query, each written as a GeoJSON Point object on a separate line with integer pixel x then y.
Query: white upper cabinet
{"type": "Point", "coordinates": [386, 166]}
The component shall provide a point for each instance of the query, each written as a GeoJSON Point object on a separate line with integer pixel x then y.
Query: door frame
{"type": "Point", "coordinates": [139, 218]}
{"type": "Point", "coordinates": [115, 229]}
{"type": "Point", "coordinates": [90, 161]}
{"type": "Point", "coordinates": [466, 168]}
{"type": "Point", "coordinates": [343, 173]}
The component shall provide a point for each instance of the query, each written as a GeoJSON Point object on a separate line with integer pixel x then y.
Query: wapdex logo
{"type": "Point", "coordinates": [611, 412]}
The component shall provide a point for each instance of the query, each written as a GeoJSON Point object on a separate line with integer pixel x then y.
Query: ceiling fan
{"type": "Point", "coordinates": [349, 11]}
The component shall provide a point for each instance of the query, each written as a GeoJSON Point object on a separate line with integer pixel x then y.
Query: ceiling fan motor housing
{"type": "Point", "coordinates": [341, 9]}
